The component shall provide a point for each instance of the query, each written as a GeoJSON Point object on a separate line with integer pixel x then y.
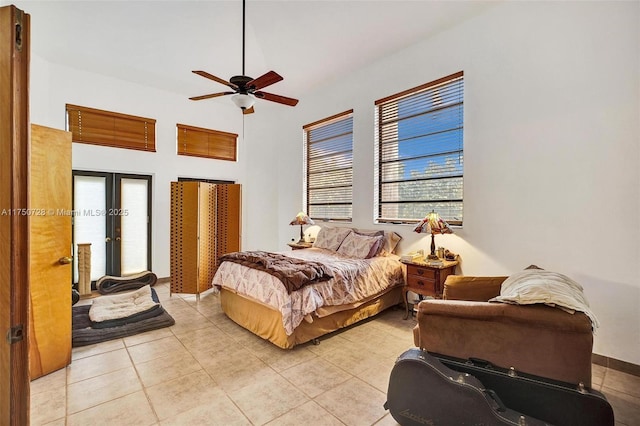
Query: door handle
{"type": "Point", "coordinates": [117, 238]}
{"type": "Point", "coordinates": [108, 239]}
{"type": "Point", "coordinates": [65, 260]}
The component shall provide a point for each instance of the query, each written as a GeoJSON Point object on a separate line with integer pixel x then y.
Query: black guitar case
{"type": "Point", "coordinates": [430, 389]}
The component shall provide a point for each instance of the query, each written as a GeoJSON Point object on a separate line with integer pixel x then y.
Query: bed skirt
{"type": "Point", "coordinates": [267, 322]}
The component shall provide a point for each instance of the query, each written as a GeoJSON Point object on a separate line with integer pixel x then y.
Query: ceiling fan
{"type": "Point", "coordinates": [246, 89]}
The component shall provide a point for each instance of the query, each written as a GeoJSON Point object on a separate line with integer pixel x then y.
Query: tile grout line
{"type": "Point", "coordinates": [171, 329]}
{"type": "Point", "coordinates": [66, 393]}
{"type": "Point", "coordinates": [226, 394]}
{"type": "Point", "coordinates": [144, 388]}
{"type": "Point", "coordinates": [203, 368]}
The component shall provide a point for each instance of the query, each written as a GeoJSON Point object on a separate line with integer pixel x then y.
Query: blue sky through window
{"type": "Point", "coordinates": [428, 134]}
{"type": "Point", "coordinates": [421, 153]}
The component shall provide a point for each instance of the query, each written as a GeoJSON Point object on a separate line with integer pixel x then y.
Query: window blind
{"type": "Point", "coordinates": [207, 143]}
{"type": "Point", "coordinates": [419, 155]}
{"type": "Point", "coordinates": [113, 129]}
{"type": "Point", "coordinates": [328, 145]}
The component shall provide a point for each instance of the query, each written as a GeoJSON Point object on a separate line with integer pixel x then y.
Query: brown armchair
{"type": "Point", "coordinates": [534, 339]}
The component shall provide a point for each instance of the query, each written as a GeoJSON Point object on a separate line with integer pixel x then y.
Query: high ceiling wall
{"type": "Point", "coordinates": [552, 159]}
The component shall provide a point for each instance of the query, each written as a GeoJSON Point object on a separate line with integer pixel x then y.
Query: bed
{"type": "Point", "coordinates": [365, 279]}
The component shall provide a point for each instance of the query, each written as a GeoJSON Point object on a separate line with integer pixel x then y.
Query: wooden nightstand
{"type": "Point", "coordinates": [426, 279]}
{"type": "Point", "coordinates": [298, 246]}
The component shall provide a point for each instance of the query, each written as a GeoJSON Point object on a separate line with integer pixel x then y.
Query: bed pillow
{"type": "Point", "coordinates": [390, 242]}
{"type": "Point", "coordinates": [377, 247]}
{"type": "Point", "coordinates": [371, 233]}
{"type": "Point", "coordinates": [359, 246]}
{"type": "Point", "coordinates": [330, 238]}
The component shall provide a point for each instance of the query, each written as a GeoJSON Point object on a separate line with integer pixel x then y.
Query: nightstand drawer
{"type": "Point", "coordinates": [424, 286]}
{"type": "Point", "coordinates": [426, 279]}
{"type": "Point", "coordinates": [421, 272]}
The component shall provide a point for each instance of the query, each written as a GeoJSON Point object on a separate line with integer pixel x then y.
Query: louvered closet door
{"type": "Point", "coordinates": [205, 224]}
{"type": "Point", "coordinates": [184, 237]}
{"type": "Point", "coordinates": [228, 217]}
{"type": "Point", "coordinates": [207, 235]}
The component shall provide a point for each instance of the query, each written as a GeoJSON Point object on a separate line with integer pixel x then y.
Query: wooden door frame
{"type": "Point", "coordinates": [14, 225]}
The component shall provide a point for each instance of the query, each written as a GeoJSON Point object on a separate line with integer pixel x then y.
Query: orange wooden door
{"type": "Point", "coordinates": [50, 250]}
{"type": "Point", "coordinates": [14, 232]}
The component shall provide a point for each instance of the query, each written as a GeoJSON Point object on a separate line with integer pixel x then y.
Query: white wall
{"type": "Point", "coordinates": [551, 148]}
{"type": "Point", "coordinates": [52, 86]}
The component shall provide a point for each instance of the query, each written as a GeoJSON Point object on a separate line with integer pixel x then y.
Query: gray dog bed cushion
{"type": "Point", "coordinates": [83, 333]}
{"type": "Point", "coordinates": [110, 284]}
{"type": "Point", "coordinates": [107, 309]}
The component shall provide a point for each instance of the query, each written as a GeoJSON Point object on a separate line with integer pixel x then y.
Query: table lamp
{"type": "Point", "coordinates": [301, 219]}
{"type": "Point", "coordinates": [433, 224]}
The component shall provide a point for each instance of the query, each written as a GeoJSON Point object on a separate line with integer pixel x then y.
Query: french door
{"type": "Point", "coordinates": [112, 211]}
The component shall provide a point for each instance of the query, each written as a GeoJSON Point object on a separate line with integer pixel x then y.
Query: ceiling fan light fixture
{"type": "Point", "coordinates": [243, 101]}
{"type": "Point", "coordinates": [246, 89]}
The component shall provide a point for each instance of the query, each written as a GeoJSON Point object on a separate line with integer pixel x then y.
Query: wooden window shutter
{"type": "Point", "coordinates": [207, 143]}
{"type": "Point", "coordinates": [106, 128]}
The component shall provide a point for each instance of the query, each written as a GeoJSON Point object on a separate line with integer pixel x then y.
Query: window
{"type": "Point", "coordinates": [199, 142]}
{"type": "Point", "coordinates": [112, 211]}
{"type": "Point", "coordinates": [328, 146]}
{"type": "Point", "coordinates": [106, 128]}
{"type": "Point", "coordinates": [419, 155]}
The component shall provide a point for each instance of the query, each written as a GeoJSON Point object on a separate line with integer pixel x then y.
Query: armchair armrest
{"type": "Point", "coordinates": [479, 289]}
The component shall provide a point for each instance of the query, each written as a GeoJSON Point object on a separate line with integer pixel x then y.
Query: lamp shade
{"type": "Point", "coordinates": [433, 224]}
{"type": "Point", "coordinates": [302, 219]}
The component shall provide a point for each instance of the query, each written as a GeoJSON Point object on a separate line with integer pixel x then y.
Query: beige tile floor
{"type": "Point", "coordinates": [206, 370]}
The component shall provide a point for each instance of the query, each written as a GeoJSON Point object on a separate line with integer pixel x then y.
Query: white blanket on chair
{"type": "Point", "coordinates": [121, 305]}
{"type": "Point", "coordinates": [551, 288]}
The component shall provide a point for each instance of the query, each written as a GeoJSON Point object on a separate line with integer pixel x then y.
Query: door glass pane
{"type": "Point", "coordinates": [134, 214]}
{"type": "Point", "coordinates": [89, 223]}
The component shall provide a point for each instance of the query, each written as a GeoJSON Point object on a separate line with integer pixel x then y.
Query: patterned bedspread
{"type": "Point", "coordinates": [353, 280]}
{"type": "Point", "coordinates": [294, 273]}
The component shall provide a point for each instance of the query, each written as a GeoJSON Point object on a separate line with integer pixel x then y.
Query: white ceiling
{"type": "Point", "coordinates": [158, 43]}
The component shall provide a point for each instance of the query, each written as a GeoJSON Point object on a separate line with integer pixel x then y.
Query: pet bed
{"type": "Point", "coordinates": [122, 308]}
{"type": "Point", "coordinates": [84, 333]}
{"type": "Point", "coordinates": [110, 284]}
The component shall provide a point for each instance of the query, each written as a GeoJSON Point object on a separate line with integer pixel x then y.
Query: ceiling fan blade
{"type": "Point", "coordinates": [276, 98]}
{"type": "Point", "coordinates": [212, 95]}
{"type": "Point", "coordinates": [265, 80]}
{"type": "Point", "coordinates": [248, 111]}
{"type": "Point", "coordinates": [214, 78]}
